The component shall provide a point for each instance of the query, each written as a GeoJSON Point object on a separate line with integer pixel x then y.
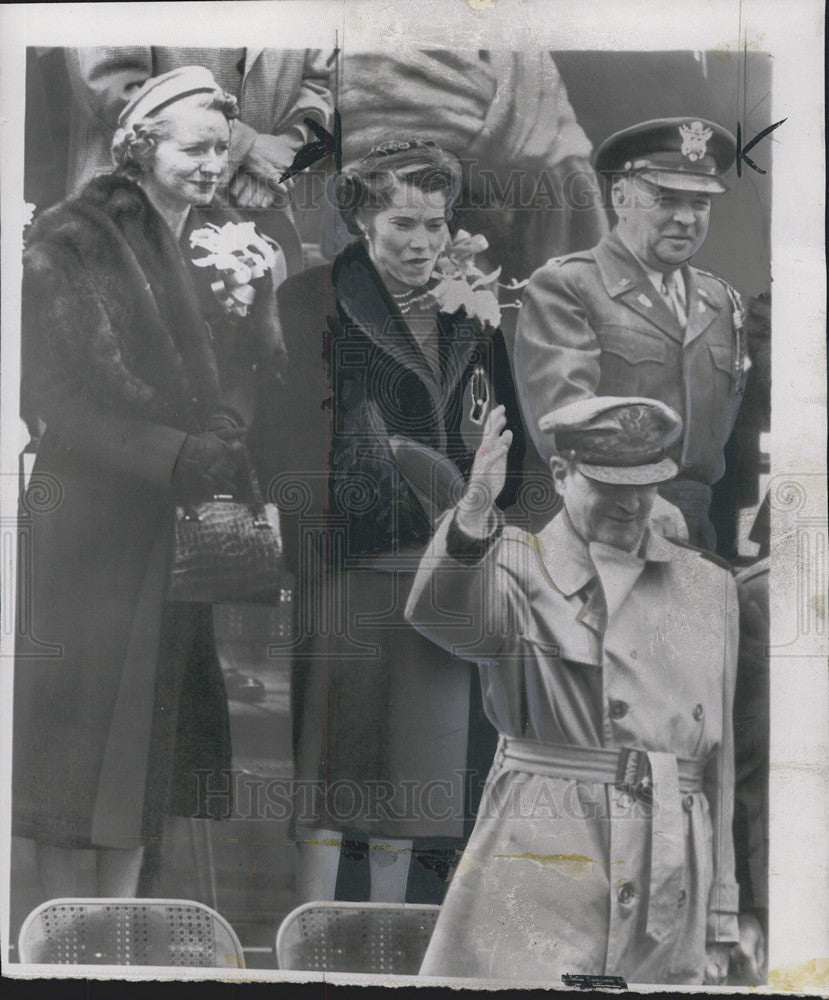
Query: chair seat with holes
{"type": "Point", "coordinates": [380, 938]}
{"type": "Point", "coordinates": [158, 932]}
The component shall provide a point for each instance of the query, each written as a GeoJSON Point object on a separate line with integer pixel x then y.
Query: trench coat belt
{"type": "Point", "coordinates": [652, 776]}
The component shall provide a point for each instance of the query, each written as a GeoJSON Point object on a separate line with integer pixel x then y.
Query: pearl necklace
{"type": "Point", "coordinates": [405, 300]}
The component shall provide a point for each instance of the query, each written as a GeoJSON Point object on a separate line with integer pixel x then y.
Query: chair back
{"type": "Point", "coordinates": [379, 938]}
{"type": "Point", "coordinates": [161, 932]}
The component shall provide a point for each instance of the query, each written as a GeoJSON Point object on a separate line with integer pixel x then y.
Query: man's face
{"type": "Point", "coordinates": [604, 512]}
{"type": "Point", "coordinates": [663, 226]}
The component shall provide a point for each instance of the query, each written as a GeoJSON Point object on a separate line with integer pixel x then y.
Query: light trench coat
{"type": "Point", "coordinates": [571, 876]}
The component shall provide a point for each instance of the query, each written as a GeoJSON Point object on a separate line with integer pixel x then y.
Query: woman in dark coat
{"type": "Point", "coordinates": [382, 353]}
{"type": "Point", "coordinates": [142, 366]}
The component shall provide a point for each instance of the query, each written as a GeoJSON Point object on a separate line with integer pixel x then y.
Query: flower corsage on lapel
{"type": "Point", "coordinates": [240, 255]}
{"type": "Point", "coordinates": [462, 284]}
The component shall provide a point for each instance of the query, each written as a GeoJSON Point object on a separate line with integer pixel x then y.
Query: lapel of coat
{"type": "Point", "coordinates": [619, 570]}
{"type": "Point", "coordinates": [703, 309]}
{"type": "Point", "coordinates": [626, 282]}
{"type": "Point", "coordinates": [366, 303]}
{"type": "Point", "coordinates": [569, 564]}
{"type": "Point", "coordinates": [564, 557]}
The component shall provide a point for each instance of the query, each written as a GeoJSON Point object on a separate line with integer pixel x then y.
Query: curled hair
{"type": "Point", "coordinates": [133, 147]}
{"type": "Point", "coordinates": [368, 183]}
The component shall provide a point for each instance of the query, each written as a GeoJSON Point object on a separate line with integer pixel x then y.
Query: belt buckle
{"type": "Point", "coordinates": [633, 773]}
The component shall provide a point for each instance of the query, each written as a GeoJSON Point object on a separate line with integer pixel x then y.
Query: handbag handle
{"type": "Point", "coordinates": [255, 501]}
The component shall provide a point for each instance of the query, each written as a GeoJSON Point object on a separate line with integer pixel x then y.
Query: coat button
{"type": "Point", "coordinates": [683, 895]}
{"type": "Point", "coordinates": [618, 709]}
{"type": "Point", "coordinates": [699, 711]}
{"type": "Point", "coordinates": [688, 803]}
{"type": "Point", "coordinates": [627, 892]}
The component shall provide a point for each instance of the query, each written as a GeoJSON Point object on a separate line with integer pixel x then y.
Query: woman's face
{"type": "Point", "coordinates": [406, 237]}
{"type": "Point", "coordinates": [188, 161]}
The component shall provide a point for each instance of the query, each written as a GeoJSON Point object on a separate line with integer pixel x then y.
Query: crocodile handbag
{"type": "Point", "coordinates": [228, 551]}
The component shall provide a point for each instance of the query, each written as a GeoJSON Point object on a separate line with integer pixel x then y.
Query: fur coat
{"type": "Point", "coordinates": [126, 351]}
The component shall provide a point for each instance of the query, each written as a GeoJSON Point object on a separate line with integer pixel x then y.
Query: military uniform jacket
{"type": "Point", "coordinates": [558, 875]}
{"type": "Point", "coordinates": [592, 323]}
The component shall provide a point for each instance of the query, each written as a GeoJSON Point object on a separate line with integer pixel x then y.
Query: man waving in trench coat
{"type": "Point", "coordinates": [608, 656]}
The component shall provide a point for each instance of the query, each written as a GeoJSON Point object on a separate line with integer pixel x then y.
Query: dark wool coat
{"type": "Point", "coordinates": [126, 350]}
{"type": "Point", "coordinates": [376, 705]}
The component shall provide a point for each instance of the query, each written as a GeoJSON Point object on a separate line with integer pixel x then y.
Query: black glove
{"type": "Point", "coordinates": [206, 465]}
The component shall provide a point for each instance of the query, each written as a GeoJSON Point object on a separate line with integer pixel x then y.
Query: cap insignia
{"type": "Point", "coordinates": [695, 140]}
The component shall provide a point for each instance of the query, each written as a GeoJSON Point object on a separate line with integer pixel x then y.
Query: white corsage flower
{"type": "Point", "coordinates": [461, 283]}
{"type": "Point", "coordinates": [240, 254]}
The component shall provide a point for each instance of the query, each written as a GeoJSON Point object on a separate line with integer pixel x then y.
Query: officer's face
{"type": "Point", "coordinates": [663, 226]}
{"type": "Point", "coordinates": [604, 512]}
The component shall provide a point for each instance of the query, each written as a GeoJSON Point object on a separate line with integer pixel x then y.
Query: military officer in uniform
{"type": "Point", "coordinates": [632, 317]}
{"type": "Point", "coordinates": [608, 657]}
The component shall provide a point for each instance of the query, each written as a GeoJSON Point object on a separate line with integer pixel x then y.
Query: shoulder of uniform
{"type": "Point", "coordinates": [568, 259]}
{"type": "Point", "coordinates": [561, 270]}
{"type": "Point", "coordinates": [710, 557]}
{"type": "Point", "coordinates": [715, 281]}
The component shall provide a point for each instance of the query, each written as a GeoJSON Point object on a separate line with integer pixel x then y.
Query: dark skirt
{"type": "Point", "coordinates": [189, 740]}
{"type": "Point", "coordinates": [384, 735]}
{"type": "Point", "coordinates": [190, 754]}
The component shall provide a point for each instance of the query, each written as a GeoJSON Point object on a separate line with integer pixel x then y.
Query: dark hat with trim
{"type": "Point", "coordinates": [616, 439]}
{"type": "Point", "coordinates": [687, 154]}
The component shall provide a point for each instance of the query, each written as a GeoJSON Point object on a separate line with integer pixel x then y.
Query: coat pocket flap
{"type": "Point", "coordinates": [632, 345]}
{"type": "Point", "coordinates": [722, 356]}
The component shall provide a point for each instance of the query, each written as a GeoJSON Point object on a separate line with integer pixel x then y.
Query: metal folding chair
{"type": "Point", "coordinates": [161, 932]}
{"type": "Point", "coordinates": [380, 938]}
